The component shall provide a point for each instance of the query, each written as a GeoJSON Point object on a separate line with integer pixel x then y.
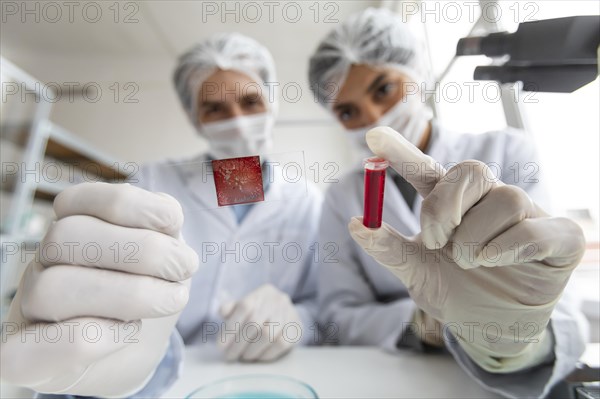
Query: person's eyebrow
{"type": "Point", "coordinates": [210, 103]}
{"type": "Point", "coordinates": [255, 96]}
{"type": "Point", "coordinates": [376, 82]}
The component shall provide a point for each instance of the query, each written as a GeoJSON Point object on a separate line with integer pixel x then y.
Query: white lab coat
{"type": "Point", "coordinates": [367, 305]}
{"type": "Point", "coordinates": [272, 244]}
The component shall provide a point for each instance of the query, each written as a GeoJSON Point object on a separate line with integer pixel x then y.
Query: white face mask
{"type": "Point", "coordinates": [240, 136]}
{"type": "Point", "coordinates": [408, 117]}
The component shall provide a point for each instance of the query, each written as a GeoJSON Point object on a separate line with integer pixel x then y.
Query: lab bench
{"type": "Point", "coordinates": [341, 372]}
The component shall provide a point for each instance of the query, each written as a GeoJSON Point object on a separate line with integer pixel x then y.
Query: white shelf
{"type": "Point", "coordinates": [41, 140]}
{"type": "Point", "coordinates": [51, 188]}
{"type": "Point", "coordinates": [20, 239]}
{"type": "Point", "coordinates": [60, 138]}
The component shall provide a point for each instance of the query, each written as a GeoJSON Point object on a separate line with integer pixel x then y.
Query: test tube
{"type": "Point", "coordinates": [374, 184]}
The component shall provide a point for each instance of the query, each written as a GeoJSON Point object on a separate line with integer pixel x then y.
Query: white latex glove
{"type": "Point", "coordinates": [487, 260]}
{"type": "Point", "coordinates": [263, 326]}
{"type": "Point", "coordinates": [97, 321]}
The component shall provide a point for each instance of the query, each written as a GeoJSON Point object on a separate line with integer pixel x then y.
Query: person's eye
{"type": "Point", "coordinates": [251, 99]}
{"type": "Point", "coordinates": [212, 109]}
{"type": "Point", "coordinates": [385, 90]}
{"type": "Point", "coordinates": [252, 103]}
{"type": "Point", "coordinates": [345, 114]}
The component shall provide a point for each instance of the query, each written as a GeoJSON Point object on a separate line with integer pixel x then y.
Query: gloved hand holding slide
{"type": "Point", "coordinates": [486, 255]}
{"type": "Point", "coordinates": [105, 315]}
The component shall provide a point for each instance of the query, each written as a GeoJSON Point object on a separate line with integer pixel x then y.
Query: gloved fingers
{"type": "Point", "coordinates": [32, 352]}
{"type": "Point", "coordinates": [226, 309]}
{"type": "Point", "coordinates": [556, 242]}
{"type": "Point", "coordinates": [249, 319]}
{"type": "Point", "coordinates": [238, 333]}
{"type": "Point", "coordinates": [420, 270]}
{"type": "Point", "coordinates": [276, 350]}
{"type": "Point", "coordinates": [234, 345]}
{"type": "Point", "coordinates": [387, 246]}
{"type": "Point", "coordinates": [64, 292]}
{"type": "Point", "coordinates": [419, 169]}
{"type": "Point", "coordinates": [88, 241]}
{"type": "Point", "coordinates": [269, 335]}
{"type": "Point", "coordinates": [266, 293]}
{"type": "Point", "coordinates": [123, 205]}
{"type": "Point", "coordinates": [242, 311]}
{"type": "Point", "coordinates": [227, 340]}
{"type": "Point", "coordinates": [442, 210]}
{"type": "Point", "coordinates": [495, 213]}
{"type": "Point", "coordinates": [277, 313]}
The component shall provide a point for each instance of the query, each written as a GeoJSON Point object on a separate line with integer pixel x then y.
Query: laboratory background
{"type": "Point", "coordinates": [87, 93]}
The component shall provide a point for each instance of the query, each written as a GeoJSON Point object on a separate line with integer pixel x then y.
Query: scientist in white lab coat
{"type": "Point", "coordinates": [222, 84]}
{"type": "Point", "coordinates": [476, 266]}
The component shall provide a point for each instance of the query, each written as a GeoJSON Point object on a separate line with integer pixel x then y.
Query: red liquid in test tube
{"type": "Point", "coordinates": [374, 184]}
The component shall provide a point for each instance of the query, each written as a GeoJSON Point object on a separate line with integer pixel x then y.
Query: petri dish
{"type": "Point", "coordinates": [255, 386]}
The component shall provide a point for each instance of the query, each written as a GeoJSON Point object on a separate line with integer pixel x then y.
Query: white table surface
{"type": "Point", "coordinates": [342, 372]}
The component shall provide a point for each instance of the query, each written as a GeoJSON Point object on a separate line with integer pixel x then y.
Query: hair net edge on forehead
{"type": "Point", "coordinates": [226, 51]}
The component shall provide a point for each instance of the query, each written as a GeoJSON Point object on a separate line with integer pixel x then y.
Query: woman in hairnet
{"type": "Point", "coordinates": [471, 261]}
{"type": "Point", "coordinates": [249, 295]}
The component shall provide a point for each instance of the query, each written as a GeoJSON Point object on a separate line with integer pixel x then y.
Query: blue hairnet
{"type": "Point", "coordinates": [226, 51]}
{"type": "Point", "coordinates": [375, 36]}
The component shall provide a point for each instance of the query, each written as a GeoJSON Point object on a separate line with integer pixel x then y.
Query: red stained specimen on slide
{"type": "Point", "coordinates": [238, 180]}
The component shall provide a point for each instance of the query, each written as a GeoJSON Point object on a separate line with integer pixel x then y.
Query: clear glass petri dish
{"type": "Point", "coordinates": [255, 386]}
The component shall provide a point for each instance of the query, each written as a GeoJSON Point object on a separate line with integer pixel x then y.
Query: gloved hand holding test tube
{"type": "Point", "coordinates": [486, 253]}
